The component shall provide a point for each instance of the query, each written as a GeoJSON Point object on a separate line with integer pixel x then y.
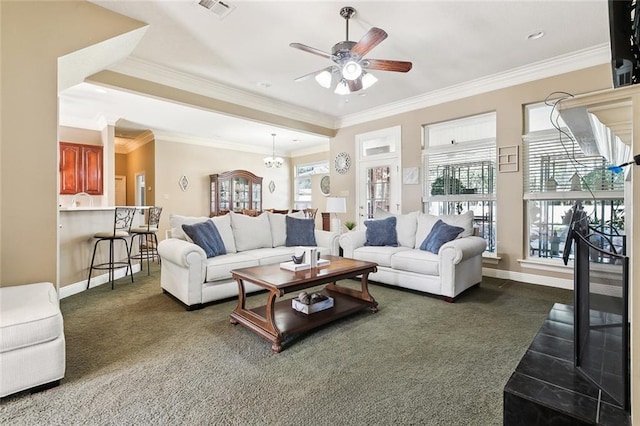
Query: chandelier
{"type": "Point", "coordinates": [273, 161]}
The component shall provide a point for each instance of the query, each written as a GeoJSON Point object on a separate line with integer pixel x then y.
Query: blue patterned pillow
{"type": "Point", "coordinates": [206, 235]}
{"type": "Point", "coordinates": [440, 233]}
{"type": "Point", "coordinates": [300, 232]}
{"type": "Point", "coordinates": [381, 232]}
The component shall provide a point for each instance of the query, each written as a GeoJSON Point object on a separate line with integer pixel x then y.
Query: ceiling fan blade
{"type": "Point", "coordinates": [313, 74]}
{"type": "Point", "coordinates": [313, 50]}
{"type": "Point", "coordinates": [354, 85]}
{"type": "Point", "coordinates": [370, 40]}
{"type": "Point", "coordinates": [386, 65]}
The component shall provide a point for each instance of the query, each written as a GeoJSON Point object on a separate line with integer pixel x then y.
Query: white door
{"type": "Point", "coordinates": [121, 190]}
{"type": "Point", "coordinates": [378, 173]}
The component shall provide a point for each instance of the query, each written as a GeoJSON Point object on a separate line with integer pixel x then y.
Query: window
{"type": "Point", "coordinates": [556, 174]}
{"type": "Point", "coordinates": [302, 183]}
{"type": "Point", "coordinates": [459, 163]}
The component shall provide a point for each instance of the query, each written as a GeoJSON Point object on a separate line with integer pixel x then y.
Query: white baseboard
{"type": "Point", "coordinates": [566, 284]}
{"type": "Point", "coordinates": [75, 288]}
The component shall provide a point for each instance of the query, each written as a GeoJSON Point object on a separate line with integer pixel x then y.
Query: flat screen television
{"type": "Point", "coordinates": [624, 34]}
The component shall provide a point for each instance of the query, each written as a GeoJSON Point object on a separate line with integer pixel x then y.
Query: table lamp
{"type": "Point", "coordinates": [336, 205]}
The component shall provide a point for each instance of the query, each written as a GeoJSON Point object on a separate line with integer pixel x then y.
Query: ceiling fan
{"type": "Point", "coordinates": [350, 68]}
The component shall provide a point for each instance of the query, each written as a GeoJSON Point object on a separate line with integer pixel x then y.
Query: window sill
{"type": "Point", "coordinates": [490, 258]}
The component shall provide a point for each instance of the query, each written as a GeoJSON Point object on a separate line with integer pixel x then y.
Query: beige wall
{"type": "Point", "coordinates": [76, 135]}
{"type": "Point", "coordinates": [32, 41]}
{"type": "Point", "coordinates": [141, 160]}
{"type": "Point", "coordinates": [197, 162]}
{"type": "Point", "coordinates": [121, 165]}
{"type": "Point", "coordinates": [508, 104]}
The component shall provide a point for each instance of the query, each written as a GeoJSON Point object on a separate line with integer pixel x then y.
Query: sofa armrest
{"type": "Point", "coordinates": [182, 270]}
{"type": "Point", "coordinates": [177, 251]}
{"type": "Point", "coordinates": [349, 241]}
{"type": "Point", "coordinates": [461, 249]}
{"type": "Point", "coordinates": [329, 240]}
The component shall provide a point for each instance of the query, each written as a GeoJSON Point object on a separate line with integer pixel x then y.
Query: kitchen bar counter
{"type": "Point", "coordinates": [77, 225]}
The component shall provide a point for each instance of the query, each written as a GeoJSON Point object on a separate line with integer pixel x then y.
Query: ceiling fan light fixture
{"type": "Point", "coordinates": [368, 80]}
{"type": "Point", "coordinates": [342, 88]}
{"type": "Point", "coordinates": [351, 70]}
{"type": "Point", "coordinates": [324, 79]}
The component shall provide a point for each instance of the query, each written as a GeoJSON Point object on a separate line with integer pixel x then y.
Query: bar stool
{"type": "Point", "coordinates": [123, 217]}
{"type": "Point", "coordinates": [147, 238]}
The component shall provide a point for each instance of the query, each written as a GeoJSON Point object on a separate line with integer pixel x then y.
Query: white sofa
{"type": "Point", "coordinates": [187, 274]}
{"type": "Point", "coordinates": [456, 267]}
{"type": "Point", "coordinates": [32, 345]}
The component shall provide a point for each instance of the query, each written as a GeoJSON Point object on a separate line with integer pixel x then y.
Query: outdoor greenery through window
{"type": "Point", "coordinates": [557, 174]}
{"type": "Point", "coordinates": [459, 160]}
{"type": "Point", "coordinates": [303, 183]}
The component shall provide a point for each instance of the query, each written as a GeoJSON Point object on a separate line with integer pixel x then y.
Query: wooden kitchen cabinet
{"type": "Point", "coordinates": [236, 190]}
{"type": "Point", "coordinates": [81, 169]}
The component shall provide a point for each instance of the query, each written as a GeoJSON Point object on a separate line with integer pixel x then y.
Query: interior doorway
{"type": "Point", "coordinates": [140, 189]}
{"type": "Point", "coordinates": [121, 190]}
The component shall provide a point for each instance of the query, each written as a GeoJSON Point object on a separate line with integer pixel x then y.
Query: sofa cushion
{"type": "Point", "coordinates": [206, 235]}
{"type": "Point", "coordinates": [251, 232]}
{"type": "Point", "coordinates": [300, 232]}
{"type": "Point", "coordinates": [30, 315]}
{"type": "Point", "coordinates": [278, 225]}
{"type": "Point", "coordinates": [440, 233]}
{"type": "Point", "coordinates": [420, 262]}
{"type": "Point", "coordinates": [176, 221]}
{"type": "Point", "coordinates": [406, 226]}
{"type": "Point", "coordinates": [381, 232]}
{"type": "Point", "coordinates": [269, 256]}
{"type": "Point", "coordinates": [426, 222]}
{"type": "Point", "coordinates": [379, 254]}
{"type": "Point", "coordinates": [223, 223]}
{"type": "Point", "coordinates": [219, 267]}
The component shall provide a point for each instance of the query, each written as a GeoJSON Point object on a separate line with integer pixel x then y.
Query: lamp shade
{"type": "Point", "coordinates": [336, 205]}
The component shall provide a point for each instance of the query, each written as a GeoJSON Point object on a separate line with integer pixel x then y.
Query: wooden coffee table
{"type": "Point", "coordinates": [277, 320]}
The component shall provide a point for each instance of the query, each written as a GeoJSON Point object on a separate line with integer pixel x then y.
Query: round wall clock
{"type": "Point", "coordinates": [325, 185]}
{"type": "Point", "coordinates": [342, 163]}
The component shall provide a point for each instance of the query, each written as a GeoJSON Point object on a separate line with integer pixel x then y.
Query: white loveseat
{"type": "Point", "coordinates": [456, 267]}
{"type": "Point", "coordinates": [187, 274]}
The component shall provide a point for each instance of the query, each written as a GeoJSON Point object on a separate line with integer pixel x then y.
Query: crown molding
{"type": "Point", "coordinates": [211, 143]}
{"type": "Point", "coordinates": [585, 58]}
{"type": "Point", "coordinates": [128, 145]}
{"type": "Point", "coordinates": [574, 61]}
{"type": "Point", "coordinates": [146, 70]}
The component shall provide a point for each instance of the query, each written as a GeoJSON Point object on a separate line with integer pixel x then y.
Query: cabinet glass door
{"type": "Point", "coordinates": [225, 192]}
{"type": "Point", "coordinates": [256, 196]}
{"type": "Point", "coordinates": [240, 194]}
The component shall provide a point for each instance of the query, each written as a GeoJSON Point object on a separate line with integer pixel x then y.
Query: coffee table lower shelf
{"type": "Point", "coordinates": [289, 322]}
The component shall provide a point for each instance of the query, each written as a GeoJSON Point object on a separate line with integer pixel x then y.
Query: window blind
{"type": "Point", "coordinates": [464, 168]}
{"type": "Point", "coordinates": [554, 162]}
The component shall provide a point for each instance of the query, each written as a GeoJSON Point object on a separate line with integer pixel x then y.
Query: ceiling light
{"type": "Point", "coordinates": [273, 161]}
{"type": "Point", "coordinates": [351, 70]}
{"type": "Point", "coordinates": [324, 79]}
{"type": "Point", "coordinates": [536, 35]}
{"type": "Point", "coordinates": [342, 88]}
{"type": "Point", "coordinates": [368, 80]}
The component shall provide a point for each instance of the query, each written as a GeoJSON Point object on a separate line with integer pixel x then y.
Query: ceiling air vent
{"type": "Point", "coordinates": [219, 8]}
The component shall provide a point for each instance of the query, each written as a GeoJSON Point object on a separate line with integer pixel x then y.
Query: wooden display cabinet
{"type": "Point", "coordinates": [235, 190]}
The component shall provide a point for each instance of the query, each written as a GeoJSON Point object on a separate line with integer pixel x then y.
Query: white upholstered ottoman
{"type": "Point", "coordinates": [32, 351]}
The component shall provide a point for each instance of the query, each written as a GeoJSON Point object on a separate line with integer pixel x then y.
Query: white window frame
{"type": "Point", "coordinates": [298, 203]}
{"type": "Point", "coordinates": [457, 138]}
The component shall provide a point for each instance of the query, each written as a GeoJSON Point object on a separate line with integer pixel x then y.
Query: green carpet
{"type": "Point", "coordinates": [136, 356]}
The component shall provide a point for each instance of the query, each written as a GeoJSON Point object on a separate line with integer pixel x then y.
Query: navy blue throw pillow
{"type": "Point", "coordinates": [381, 232]}
{"type": "Point", "coordinates": [206, 235]}
{"type": "Point", "coordinates": [300, 232]}
{"type": "Point", "coordinates": [440, 233]}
